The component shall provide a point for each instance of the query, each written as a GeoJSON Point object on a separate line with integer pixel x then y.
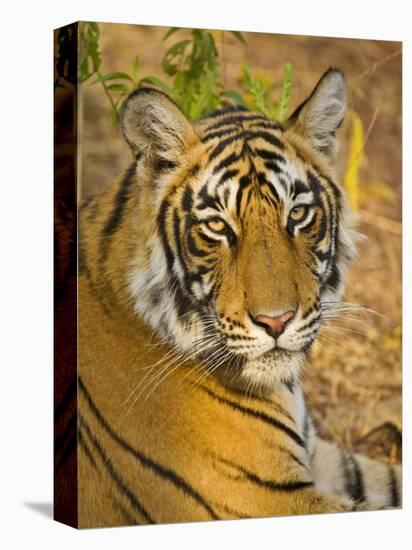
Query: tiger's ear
{"type": "Point", "coordinates": [322, 113]}
{"type": "Point", "coordinates": [154, 126]}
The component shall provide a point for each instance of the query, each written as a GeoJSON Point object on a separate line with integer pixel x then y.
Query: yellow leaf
{"type": "Point", "coordinates": [351, 179]}
{"type": "Point", "coordinates": [265, 80]}
{"type": "Point", "coordinates": [358, 92]}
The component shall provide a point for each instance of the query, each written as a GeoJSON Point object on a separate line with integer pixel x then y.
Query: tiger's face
{"type": "Point", "coordinates": [248, 233]}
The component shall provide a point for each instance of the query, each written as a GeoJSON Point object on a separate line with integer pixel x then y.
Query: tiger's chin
{"type": "Point", "coordinates": [277, 366]}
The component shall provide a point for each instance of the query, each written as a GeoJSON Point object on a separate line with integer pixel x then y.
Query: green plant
{"type": "Point", "coordinates": [118, 86]}
{"type": "Point", "coordinates": [260, 91]}
{"type": "Point", "coordinates": [193, 64]}
{"type": "Point", "coordinates": [191, 67]}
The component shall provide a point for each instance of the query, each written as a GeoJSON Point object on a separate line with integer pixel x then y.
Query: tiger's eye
{"type": "Point", "coordinates": [298, 213]}
{"type": "Point", "coordinates": [216, 225]}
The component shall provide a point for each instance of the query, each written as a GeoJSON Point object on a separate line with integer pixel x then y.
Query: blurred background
{"type": "Point", "coordinates": [353, 381]}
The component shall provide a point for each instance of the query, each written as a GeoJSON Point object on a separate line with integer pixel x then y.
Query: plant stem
{"type": "Point", "coordinates": [107, 92]}
{"type": "Point", "coordinates": [223, 59]}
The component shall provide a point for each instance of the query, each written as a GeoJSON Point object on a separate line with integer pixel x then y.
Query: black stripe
{"type": "Point", "coordinates": [163, 165]}
{"type": "Point", "coordinates": [269, 125]}
{"type": "Point", "coordinates": [307, 228]}
{"type": "Point", "coordinates": [178, 240]}
{"type": "Point", "coordinates": [280, 448]}
{"type": "Point", "coordinates": [273, 167]}
{"type": "Point", "coordinates": [215, 151]}
{"type": "Point", "coordinates": [225, 111]}
{"type": "Point", "coordinates": [226, 162]}
{"type": "Point", "coordinates": [116, 216]}
{"type": "Point", "coordinates": [308, 312]}
{"type": "Point", "coordinates": [266, 136]}
{"type": "Point", "coordinates": [193, 249]}
{"type": "Point", "coordinates": [393, 485]}
{"type": "Point", "coordinates": [244, 182]}
{"type": "Point", "coordinates": [238, 119]}
{"type": "Point", "coordinates": [90, 208]}
{"type": "Point", "coordinates": [83, 444]}
{"type": "Point", "coordinates": [207, 201]}
{"type": "Point", "coordinates": [256, 414]}
{"type": "Point", "coordinates": [269, 155]}
{"type": "Point", "coordinates": [353, 477]}
{"type": "Point", "coordinates": [290, 384]}
{"type": "Point", "coordinates": [265, 400]}
{"type": "Point", "coordinates": [159, 470]}
{"type": "Point", "coordinates": [187, 200]}
{"type": "Point", "coordinates": [345, 470]}
{"type": "Point", "coordinates": [193, 172]}
{"type": "Point", "coordinates": [209, 240]}
{"type": "Point", "coordinates": [308, 325]}
{"type": "Point", "coordinates": [95, 291]}
{"type": "Point", "coordinates": [296, 459]}
{"type": "Point", "coordinates": [358, 486]}
{"type": "Point", "coordinates": [182, 302]}
{"type": "Point", "coordinates": [274, 195]}
{"type": "Point", "coordinates": [268, 483]}
{"type": "Point", "coordinates": [162, 224]}
{"type": "Point", "coordinates": [334, 279]}
{"type": "Point", "coordinates": [231, 511]}
{"type": "Point", "coordinates": [299, 187]}
{"type": "Point", "coordinates": [226, 176]}
{"type": "Point", "coordinates": [119, 481]}
{"type": "Point", "coordinates": [332, 185]}
{"type": "Point", "coordinates": [123, 512]}
{"type": "Point", "coordinates": [220, 134]}
{"type": "Point", "coordinates": [120, 200]}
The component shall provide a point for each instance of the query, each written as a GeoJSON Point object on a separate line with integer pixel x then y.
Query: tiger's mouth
{"type": "Point", "coordinates": [236, 358]}
{"type": "Point", "coordinates": [262, 373]}
{"type": "Point", "coordinates": [246, 362]}
{"type": "Point", "coordinates": [278, 352]}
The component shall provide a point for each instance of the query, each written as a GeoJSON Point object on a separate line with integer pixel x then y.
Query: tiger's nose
{"type": "Point", "coordinates": [274, 326]}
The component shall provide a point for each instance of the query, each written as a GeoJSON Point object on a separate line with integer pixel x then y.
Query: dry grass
{"type": "Point", "coordinates": [353, 381]}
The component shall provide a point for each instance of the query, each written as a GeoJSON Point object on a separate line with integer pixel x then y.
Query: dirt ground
{"type": "Point", "coordinates": [353, 381]}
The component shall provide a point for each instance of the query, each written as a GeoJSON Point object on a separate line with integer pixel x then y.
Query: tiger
{"type": "Point", "coordinates": [205, 272]}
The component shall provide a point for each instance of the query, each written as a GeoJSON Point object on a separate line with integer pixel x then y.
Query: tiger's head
{"type": "Point", "coordinates": [242, 232]}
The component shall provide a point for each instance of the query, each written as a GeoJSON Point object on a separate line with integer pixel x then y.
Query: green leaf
{"type": "Point", "coordinates": [170, 32]}
{"type": "Point", "coordinates": [159, 83]}
{"type": "Point", "coordinates": [236, 97]}
{"type": "Point", "coordinates": [119, 88]}
{"type": "Point", "coordinates": [257, 91]}
{"type": "Point", "coordinates": [280, 113]}
{"type": "Point", "coordinates": [239, 36]}
{"type": "Point", "coordinates": [89, 54]}
{"type": "Point", "coordinates": [94, 27]}
{"type": "Point", "coordinates": [247, 75]}
{"type": "Point", "coordinates": [135, 69]}
{"type": "Point", "coordinates": [113, 76]}
{"type": "Point", "coordinates": [173, 57]}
